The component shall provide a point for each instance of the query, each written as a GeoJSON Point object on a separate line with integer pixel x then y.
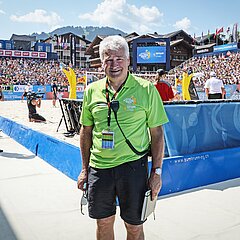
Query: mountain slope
{"type": "Point", "coordinates": [90, 32]}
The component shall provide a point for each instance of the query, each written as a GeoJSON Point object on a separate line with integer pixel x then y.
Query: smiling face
{"type": "Point", "coordinates": [115, 64]}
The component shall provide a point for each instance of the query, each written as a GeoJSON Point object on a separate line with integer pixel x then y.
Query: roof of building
{"type": "Point", "coordinates": [27, 38]}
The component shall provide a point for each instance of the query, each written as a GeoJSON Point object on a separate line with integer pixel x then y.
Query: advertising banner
{"type": "Point", "coordinates": [151, 54]}
{"type": "Point", "coordinates": [202, 127]}
{"type": "Point", "coordinates": [17, 53]}
{"type": "Point", "coordinates": [15, 92]}
{"type": "Point", "coordinates": [225, 47]}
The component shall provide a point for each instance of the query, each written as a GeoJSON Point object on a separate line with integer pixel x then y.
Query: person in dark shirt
{"type": "Point", "coordinates": [164, 88]}
{"type": "Point", "coordinates": [54, 91]}
{"type": "Point", "coordinates": [32, 103]}
{"type": "Point", "coordinates": [1, 94]}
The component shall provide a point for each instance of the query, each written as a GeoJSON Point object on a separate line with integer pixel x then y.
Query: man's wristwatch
{"type": "Point", "coordinates": [157, 171]}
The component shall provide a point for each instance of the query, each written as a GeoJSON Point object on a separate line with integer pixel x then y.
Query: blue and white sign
{"type": "Point", "coordinates": [21, 88]}
{"type": "Point", "coordinates": [151, 54]}
{"type": "Point", "coordinates": [225, 47]}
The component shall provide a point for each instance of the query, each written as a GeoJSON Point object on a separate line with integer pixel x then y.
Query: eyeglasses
{"type": "Point", "coordinates": [84, 198]}
{"type": "Point", "coordinates": [83, 201]}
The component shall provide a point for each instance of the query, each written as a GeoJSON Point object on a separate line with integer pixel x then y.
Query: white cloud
{"type": "Point", "coordinates": [126, 17]}
{"type": "Point", "coordinates": [183, 24]}
{"type": "Point", "coordinates": [39, 16]}
{"type": "Point", "coordinates": [2, 12]}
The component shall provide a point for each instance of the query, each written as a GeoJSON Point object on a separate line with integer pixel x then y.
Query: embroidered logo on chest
{"type": "Point", "coordinates": [130, 103]}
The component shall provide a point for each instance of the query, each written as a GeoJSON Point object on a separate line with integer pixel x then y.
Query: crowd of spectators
{"type": "Point", "coordinates": [21, 71]}
{"type": "Point", "coordinates": [41, 72]}
{"type": "Point", "coordinates": [226, 67]}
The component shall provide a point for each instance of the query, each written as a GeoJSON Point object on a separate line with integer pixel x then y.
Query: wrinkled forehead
{"type": "Point", "coordinates": [114, 53]}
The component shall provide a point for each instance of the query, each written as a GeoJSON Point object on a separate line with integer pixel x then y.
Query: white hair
{"type": "Point", "coordinates": [113, 43]}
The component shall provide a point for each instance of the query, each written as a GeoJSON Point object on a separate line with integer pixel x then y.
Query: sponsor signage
{"type": "Point", "coordinates": [204, 50]}
{"type": "Point", "coordinates": [225, 47]}
{"type": "Point", "coordinates": [15, 53]}
{"type": "Point", "coordinates": [151, 54]}
{"type": "Point", "coordinates": [21, 88]}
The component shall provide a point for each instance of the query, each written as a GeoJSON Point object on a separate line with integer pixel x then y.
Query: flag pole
{"type": "Point", "coordinates": [80, 45]}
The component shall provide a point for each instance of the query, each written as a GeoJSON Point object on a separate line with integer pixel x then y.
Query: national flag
{"type": "Point", "coordinates": [59, 40]}
{"type": "Point", "coordinates": [218, 31]}
{"type": "Point", "coordinates": [228, 30]}
{"type": "Point", "coordinates": [208, 35]}
{"type": "Point", "coordinates": [64, 43]}
{"type": "Point", "coordinates": [235, 32]}
{"type": "Point", "coordinates": [194, 38]}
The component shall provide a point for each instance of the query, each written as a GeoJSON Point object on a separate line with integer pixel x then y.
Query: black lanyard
{"type": "Point", "coordinates": [113, 97]}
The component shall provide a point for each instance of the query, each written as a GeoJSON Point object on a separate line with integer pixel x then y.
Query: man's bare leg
{"type": "Point", "coordinates": [134, 232]}
{"type": "Point", "coordinates": [105, 228]}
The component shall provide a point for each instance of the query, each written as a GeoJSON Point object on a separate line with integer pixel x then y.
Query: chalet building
{"type": "Point", "coordinates": [23, 42]}
{"type": "Point", "coordinates": [93, 52]}
{"type": "Point", "coordinates": [70, 48]}
{"type": "Point", "coordinates": [181, 49]}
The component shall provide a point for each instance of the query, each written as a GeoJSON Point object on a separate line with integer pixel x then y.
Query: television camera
{"type": "Point", "coordinates": [34, 95]}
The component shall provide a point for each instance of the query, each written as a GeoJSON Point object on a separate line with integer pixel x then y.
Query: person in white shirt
{"type": "Point", "coordinates": [214, 87]}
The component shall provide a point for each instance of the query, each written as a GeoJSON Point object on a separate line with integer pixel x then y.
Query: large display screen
{"type": "Point", "coordinates": [151, 54]}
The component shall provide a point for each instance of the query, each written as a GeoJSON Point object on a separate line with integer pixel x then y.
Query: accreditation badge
{"type": "Point", "coordinates": [107, 139]}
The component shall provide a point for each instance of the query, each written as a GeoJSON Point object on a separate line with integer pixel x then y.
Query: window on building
{"type": "Point", "coordinates": [48, 49]}
{"type": "Point", "coordinates": [40, 48]}
{"type": "Point", "coordinates": [8, 46]}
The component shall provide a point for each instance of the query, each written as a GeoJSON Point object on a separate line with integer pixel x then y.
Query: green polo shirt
{"type": "Point", "coordinates": [140, 108]}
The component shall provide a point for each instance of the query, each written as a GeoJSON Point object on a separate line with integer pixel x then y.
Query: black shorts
{"type": "Point", "coordinates": [128, 182]}
{"type": "Point", "coordinates": [215, 96]}
{"type": "Point", "coordinates": [54, 96]}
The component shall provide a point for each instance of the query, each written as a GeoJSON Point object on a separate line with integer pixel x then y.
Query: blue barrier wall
{"type": "Point", "coordinates": [180, 173]}
{"type": "Point", "coordinates": [195, 128]}
{"type": "Point", "coordinates": [63, 156]}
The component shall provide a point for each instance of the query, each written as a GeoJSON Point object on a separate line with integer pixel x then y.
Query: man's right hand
{"type": "Point", "coordinates": [82, 178]}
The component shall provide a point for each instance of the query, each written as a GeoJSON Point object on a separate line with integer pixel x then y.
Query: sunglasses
{"type": "Point", "coordinates": [84, 199]}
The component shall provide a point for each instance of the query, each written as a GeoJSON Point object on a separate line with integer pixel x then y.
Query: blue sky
{"type": "Point", "coordinates": [141, 16]}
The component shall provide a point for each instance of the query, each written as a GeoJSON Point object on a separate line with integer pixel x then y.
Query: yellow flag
{"type": "Point", "coordinates": [71, 76]}
{"type": "Point", "coordinates": [185, 85]}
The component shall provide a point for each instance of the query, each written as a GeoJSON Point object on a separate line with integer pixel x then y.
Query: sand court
{"type": "Point", "coordinates": [39, 202]}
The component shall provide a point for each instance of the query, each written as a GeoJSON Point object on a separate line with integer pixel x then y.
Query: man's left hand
{"type": "Point", "coordinates": [155, 184]}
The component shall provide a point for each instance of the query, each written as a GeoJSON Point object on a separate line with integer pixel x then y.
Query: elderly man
{"type": "Point", "coordinates": [118, 113]}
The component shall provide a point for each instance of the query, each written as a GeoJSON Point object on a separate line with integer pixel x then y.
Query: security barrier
{"type": "Point", "coordinates": [182, 171]}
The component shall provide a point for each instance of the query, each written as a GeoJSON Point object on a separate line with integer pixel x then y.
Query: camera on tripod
{"type": "Point", "coordinates": [34, 95]}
